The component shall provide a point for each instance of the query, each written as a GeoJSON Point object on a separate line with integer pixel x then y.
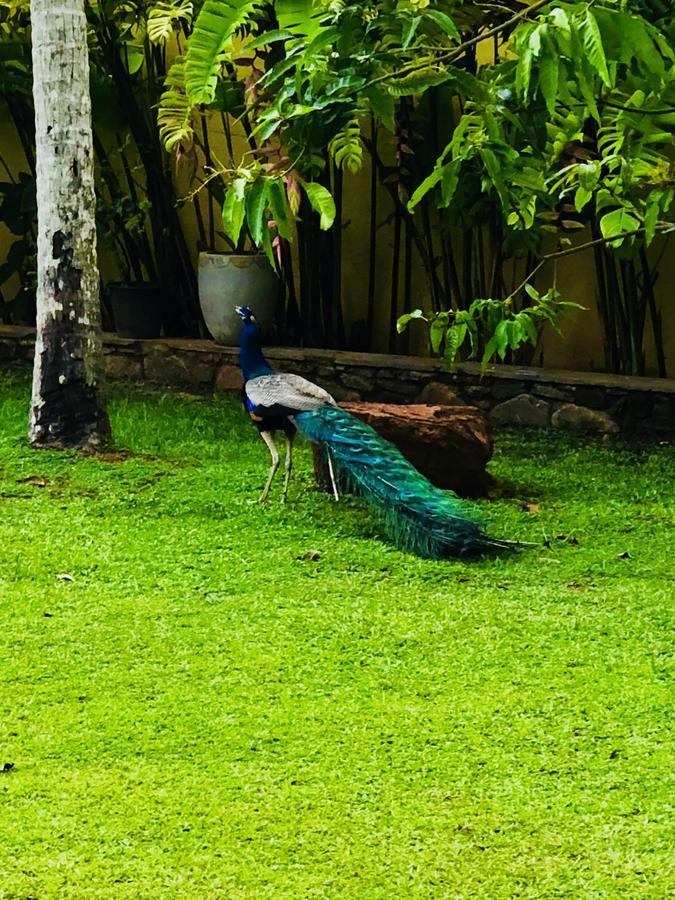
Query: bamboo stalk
{"type": "Point", "coordinates": [395, 265]}
{"type": "Point", "coordinates": [655, 315]}
{"type": "Point", "coordinates": [372, 238]}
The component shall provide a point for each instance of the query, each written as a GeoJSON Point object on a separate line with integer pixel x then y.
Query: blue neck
{"type": "Point", "coordinates": [251, 359]}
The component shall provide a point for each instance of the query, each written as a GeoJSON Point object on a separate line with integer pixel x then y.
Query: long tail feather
{"type": "Point", "coordinates": [419, 517]}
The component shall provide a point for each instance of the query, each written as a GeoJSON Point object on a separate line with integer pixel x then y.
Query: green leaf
{"type": "Point", "coordinates": [501, 337]}
{"type": "Point", "coordinates": [524, 71]}
{"type": "Point", "coordinates": [533, 293]}
{"type": "Point", "coordinates": [453, 341]}
{"type": "Point", "coordinates": [234, 209]}
{"type": "Point", "coordinates": [416, 82]}
{"type": "Point", "coordinates": [616, 224]}
{"type": "Point", "coordinates": [594, 49]}
{"type": "Point", "coordinates": [548, 79]}
{"type": "Point", "coordinates": [278, 203]}
{"type": "Point", "coordinates": [450, 182]}
{"type": "Point", "coordinates": [494, 171]}
{"type": "Point", "coordinates": [436, 333]}
{"type": "Point", "coordinates": [256, 201]}
{"type": "Point", "coordinates": [268, 247]}
{"type": "Point", "coordinates": [268, 37]}
{"type": "Point", "coordinates": [444, 22]}
{"type": "Point", "coordinates": [422, 189]}
{"type": "Point", "coordinates": [214, 28]}
{"type": "Point", "coordinates": [322, 203]}
{"type": "Point", "coordinates": [268, 125]}
{"type": "Point", "coordinates": [581, 197]}
{"type": "Point", "coordinates": [652, 211]}
{"type": "Point", "coordinates": [383, 107]}
{"type": "Point", "coordinates": [409, 31]}
{"type": "Point", "coordinates": [404, 320]}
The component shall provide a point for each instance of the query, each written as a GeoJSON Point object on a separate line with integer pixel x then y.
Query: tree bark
{"type": "Point", "coordinates": [66, 409]}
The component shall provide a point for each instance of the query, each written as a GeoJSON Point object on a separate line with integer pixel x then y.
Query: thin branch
{"type": "Point", "coordinates": [569, 251]}
{"type": "Point", "coordinates": [455, 52]}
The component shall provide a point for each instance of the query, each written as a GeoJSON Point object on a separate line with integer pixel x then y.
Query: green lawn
{"type": "Point", "coordinates": [223, 700]}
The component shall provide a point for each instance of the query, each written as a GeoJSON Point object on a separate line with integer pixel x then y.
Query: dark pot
{"type": "Point", "coordinates": [137, 309]}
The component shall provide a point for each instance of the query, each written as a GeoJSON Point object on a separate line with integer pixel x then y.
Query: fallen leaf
{"type": "Point", "coordinates": [310, 556]}
{"type": "Point", "coordinates": [35, 480]}
{"type": "Point", "coordinates": [532, 508]}
{"type": "Point", "coordinates": [64, 576]}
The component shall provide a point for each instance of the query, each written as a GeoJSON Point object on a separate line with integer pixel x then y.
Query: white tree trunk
{"type": "Point", "coordinates": [65, 407]}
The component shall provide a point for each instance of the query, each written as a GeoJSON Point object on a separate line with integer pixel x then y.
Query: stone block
{"type": "Point", "coordinates": [477, 390]}
{"type": "Point", "coordinates": [591, 397]}
{"type": "Point", "coordinates": [400, 387]}
{"type": "Point", "coordinates": [662, 420]}
{"type": "Point", "coordinates": [8, 349]}
{"type": "Point", "coordinates": [551, 392]}
{"type": "Point", "coordinates": [341, 394]}
{"type": "Point", "coordinates": [583, 420]}
{"type": "Point", "coordinates": [325, 372]}
{"type": "Point", "coordinates": [229, 378]}
{"type": "Point", "coordinates": [503, 389]}
{"type": "Point", "coordinates": [521, 410]}
{"type": "Point", "coordinates": [183, 369]}
{"type": "Point", "coordinates": [358, 383]}
{"type": "Point", "coordinates": [435, 393]}
{"type": "Point", "coordinates": [123, 366]}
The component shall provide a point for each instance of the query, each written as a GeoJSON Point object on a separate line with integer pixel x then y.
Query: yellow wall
{"type": "Point", "coordinates": [580, 347]}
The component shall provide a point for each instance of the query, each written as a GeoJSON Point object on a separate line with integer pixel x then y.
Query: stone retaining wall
{"type": "Point", "coordinates": [509, 395]}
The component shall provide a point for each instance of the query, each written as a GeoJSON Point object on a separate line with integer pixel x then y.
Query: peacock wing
{"type": "Point", "coordinates": [289, 391]}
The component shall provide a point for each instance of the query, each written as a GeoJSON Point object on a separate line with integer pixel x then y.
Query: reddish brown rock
{"type": "Point", "coordinates": [451, 445]}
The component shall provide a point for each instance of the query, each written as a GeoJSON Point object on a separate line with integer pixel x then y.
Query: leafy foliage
{"type": "Point", "coordinates": [570, 125]}
{"type": "Point", "coordinates": [490, 327]}
{"type": "Point", "coordinates": [214, 28]}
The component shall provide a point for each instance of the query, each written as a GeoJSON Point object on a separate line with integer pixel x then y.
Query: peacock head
{"type": "Point", "coordinates": [246, 314]}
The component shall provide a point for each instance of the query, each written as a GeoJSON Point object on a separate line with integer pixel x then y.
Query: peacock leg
{"type": "Point", "coordinates": [269, 440]}
{"type": "Point", "coordinates": [288, 463]}
{"type": "Point", "coordinates": [332, 475]}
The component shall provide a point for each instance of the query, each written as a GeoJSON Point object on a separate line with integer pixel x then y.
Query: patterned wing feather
{"type": "Point", "coordinates": [290, 391]}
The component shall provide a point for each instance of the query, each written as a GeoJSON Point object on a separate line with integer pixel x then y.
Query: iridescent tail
{"type": "Point", "coordinates": [419, 517]}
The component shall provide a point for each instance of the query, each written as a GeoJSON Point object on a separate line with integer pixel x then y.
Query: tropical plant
{"type": "Point", "coordinates": [18, 213]}
{"type": "Point", "coordinates": [568, 124]}
{"type": "Point", "coordinates": [137, 208]}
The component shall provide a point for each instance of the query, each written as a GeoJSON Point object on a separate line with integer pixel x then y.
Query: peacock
{"type": "Point", "coordinates": [420, 518]}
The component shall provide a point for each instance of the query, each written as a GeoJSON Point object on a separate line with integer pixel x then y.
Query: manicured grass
{"type": "Point", "coordinates": [225, 700]}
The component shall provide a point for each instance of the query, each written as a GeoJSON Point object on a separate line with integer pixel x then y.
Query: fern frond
{"type": "Point", "coordinates": [346, 147]}
{"type": "Point", "coordinates": [164, 18]}
{"type": "Point", "coordinates": [174, 114]}
{"type": "Point", "coordinates": [214, 28]}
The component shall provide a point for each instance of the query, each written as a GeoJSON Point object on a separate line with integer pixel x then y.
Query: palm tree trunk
{"type": "Point", "coordinates": [66, 408]}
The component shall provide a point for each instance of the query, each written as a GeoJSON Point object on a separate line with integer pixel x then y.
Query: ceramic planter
{"type": "Point", "coordinates": [227, 280]}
